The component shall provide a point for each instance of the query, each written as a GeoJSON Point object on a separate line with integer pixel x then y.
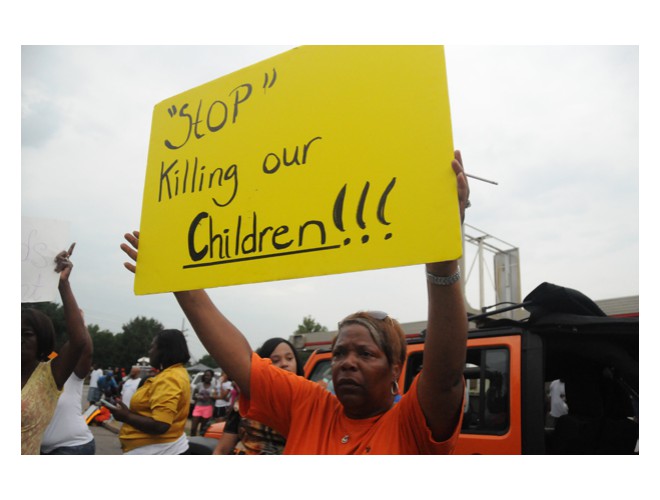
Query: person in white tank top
{"type": "Point", "coordinates": [68, 432]}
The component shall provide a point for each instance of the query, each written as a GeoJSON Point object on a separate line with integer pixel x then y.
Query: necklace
{"type": "Point", "coordinates": [341, 428]}
{"type": "Point", "coordinates": [361, 431]}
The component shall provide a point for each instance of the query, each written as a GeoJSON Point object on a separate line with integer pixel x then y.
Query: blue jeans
{"type": "Point", "coordinates": [94, 394]}
{"type": "Point", "coordinates": [82, 449]}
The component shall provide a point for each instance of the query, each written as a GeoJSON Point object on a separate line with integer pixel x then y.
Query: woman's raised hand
{"type": "Point", "coordinates": [461, 184]}
{"type": "Point", "coordinates": [131, 250]}
{"type": "Point", "coordinates": [62, 263]}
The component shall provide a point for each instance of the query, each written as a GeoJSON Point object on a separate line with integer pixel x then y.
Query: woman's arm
{"type": "Point", "coordinates": [140, 422]}
{"type": "Point", "coordinates": [79, 340]}
{"type": "Point", "coordinates": [226, 444]}
{"type": "Point", "coordinates": [85, 361]}
{"type": "Point", "coordinates": [229, 438]}
{"type": "Point", "coordinates": [223, 341]}
{"type": "Point", "coordinates": [440, 387]}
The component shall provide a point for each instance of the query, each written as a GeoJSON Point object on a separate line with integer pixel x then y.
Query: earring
{"type": "Point", "coordinates": [395, 388]}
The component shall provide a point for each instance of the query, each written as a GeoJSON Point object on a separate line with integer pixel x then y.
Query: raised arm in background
{"type": "Point", "coordinates": [78, 336]}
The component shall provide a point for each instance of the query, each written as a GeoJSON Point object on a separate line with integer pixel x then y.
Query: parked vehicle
{"type": "Point", "coordinates": [510, 365]}
{"type": "Point", "coordinates": [205, 444]}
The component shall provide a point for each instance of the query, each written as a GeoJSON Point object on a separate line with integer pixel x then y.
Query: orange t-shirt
{"type": "Point", "coordinates": [313, 421]}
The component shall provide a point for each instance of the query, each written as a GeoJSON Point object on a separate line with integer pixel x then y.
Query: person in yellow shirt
{"type": "Point", "coordinates": [154, 423]}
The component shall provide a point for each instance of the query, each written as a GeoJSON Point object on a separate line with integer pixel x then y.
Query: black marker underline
{"type": "Point", "coordinates": [267, 256]}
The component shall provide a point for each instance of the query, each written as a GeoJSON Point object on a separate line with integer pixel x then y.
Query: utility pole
{"type": "Point", "coordinates": [193, 360]}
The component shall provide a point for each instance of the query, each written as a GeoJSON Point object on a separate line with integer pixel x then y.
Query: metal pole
{"type": "Point", "coordinates": [481, 274]}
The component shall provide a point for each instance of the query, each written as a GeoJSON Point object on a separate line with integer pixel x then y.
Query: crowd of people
{"type": "Point", "coordinates": [153, 410]}
{"type": "Point", "coordinates": [267, 406]}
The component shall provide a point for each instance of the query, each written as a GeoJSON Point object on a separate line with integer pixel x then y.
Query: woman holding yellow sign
{"type": "Point", "coordinates": [367, 357]}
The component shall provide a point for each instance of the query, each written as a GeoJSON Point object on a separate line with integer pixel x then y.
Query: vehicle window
{"type": "Point", "coordinates": [486, 373]}
{"type": "Point", "coordinates": [322, 371]}
{"type": "Point", "coordinates": [486, 407]}
{"type": "Point", "coordinates": [413, 367]}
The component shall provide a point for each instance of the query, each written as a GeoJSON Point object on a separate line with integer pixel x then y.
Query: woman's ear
{"type": "Point", "coordinates": [396, 371]}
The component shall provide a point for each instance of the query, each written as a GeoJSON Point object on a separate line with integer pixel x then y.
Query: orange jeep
{"type": "Point", "coordinates": [510, 365]}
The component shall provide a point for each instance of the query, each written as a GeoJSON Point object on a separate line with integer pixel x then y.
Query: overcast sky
{"type": "Point", "coordinates": [557, 127]}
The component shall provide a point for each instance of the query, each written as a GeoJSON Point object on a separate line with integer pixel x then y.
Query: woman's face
{"type": "Point", "coordinates": [29, 344]}
{"type": "Point", "coordinates": [283, 357]}
{"type": "Point", "coordinates": [154, 354]}
{"type": "Point", "coordinates": [207, 377]}
{"type": "Point", "coordinates": [361, 375]}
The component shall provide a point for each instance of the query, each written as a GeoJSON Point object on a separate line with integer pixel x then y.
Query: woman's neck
{"type": "Point", "coordinates": [362, 413]}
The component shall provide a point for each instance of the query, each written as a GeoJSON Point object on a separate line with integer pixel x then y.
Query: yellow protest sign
{"type": "Point", "coordinates": [321, 160]}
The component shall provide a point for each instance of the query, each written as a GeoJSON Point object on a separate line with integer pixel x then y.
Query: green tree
{"type": "Point", "coordinates": [105, 349]}
{"type": "Point", "coordinates": [310, 325]}
{"type": "Point", "coordinates": [135, 340]}
{"type": "Point", "coordinates": [123, 349]}
{"type": "Point", "coordinates": [208, 360]}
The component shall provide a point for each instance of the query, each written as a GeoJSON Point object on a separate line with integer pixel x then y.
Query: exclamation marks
{"type": "Point", "coordinates": [338, 210]}
{"type": "Point", "coordinates": [360, 211]}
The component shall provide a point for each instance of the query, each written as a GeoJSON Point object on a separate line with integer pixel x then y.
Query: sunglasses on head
{"type": "Point", "coordinates": [377, 315]}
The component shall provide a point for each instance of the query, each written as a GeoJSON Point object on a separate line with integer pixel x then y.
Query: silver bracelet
{"type": "Point", "coordinates": [444, 280]}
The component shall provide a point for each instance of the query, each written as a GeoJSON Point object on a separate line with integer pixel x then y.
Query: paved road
{"type": "Point", "coordinates": [107, 442]}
